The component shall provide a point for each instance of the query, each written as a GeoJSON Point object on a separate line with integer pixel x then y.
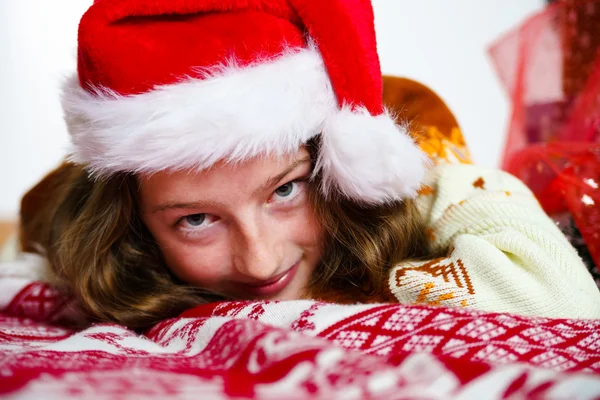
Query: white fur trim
{"type": "Point", "coordinates": [232, 114]}
{"type": "Point", "coordinates": [369, 159]}
{"type": "Point", "coordinates": [236, 113]}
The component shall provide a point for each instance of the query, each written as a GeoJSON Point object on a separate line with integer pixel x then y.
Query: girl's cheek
{"type": "Point", "coordinates": [314, 227]}
{"type": "Point", "coordinates": [305, 228]}
{"type": "Point", "coordinates": [200, 266]}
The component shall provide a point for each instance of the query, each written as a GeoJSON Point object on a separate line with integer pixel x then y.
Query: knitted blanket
{"type": "Point", "coordinates": [292, 350]}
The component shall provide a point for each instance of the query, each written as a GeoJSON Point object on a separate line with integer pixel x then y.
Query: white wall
{"type": "Point", "coordinates": [37, 49]}
{"type": "Point", "coordinates": [441, 43]}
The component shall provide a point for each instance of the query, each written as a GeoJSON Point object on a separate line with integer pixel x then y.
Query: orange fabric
{"type": "Point", "coordinates": [433, 125]}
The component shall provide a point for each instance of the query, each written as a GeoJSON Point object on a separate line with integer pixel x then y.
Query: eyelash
{"type": "Point", "coordinates": [300, 182]}
{"type": "Point", "coordinates": [189, 231]}
{"type": "Point", "coordinates": [198, 231]}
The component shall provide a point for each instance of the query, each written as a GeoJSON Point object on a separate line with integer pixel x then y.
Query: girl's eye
{"type": "Point", "coordinates": [287, 192]}
{"type": "Point", "coordinates": [195, 223]}
{"type": "Point", "coordinates": [195, 220]}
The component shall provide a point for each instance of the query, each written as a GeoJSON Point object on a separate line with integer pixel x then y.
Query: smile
{"type": "Point", "coordinates": [271, 286]}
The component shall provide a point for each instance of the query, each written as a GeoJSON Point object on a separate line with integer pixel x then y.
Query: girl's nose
{"type": "Point", "coordinates": [257, 254]}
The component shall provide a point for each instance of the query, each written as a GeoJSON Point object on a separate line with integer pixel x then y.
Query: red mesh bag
{"type": "Point", "coordinates": [566, 178]}
{"type": "Point", "coordinates": [550, 66]}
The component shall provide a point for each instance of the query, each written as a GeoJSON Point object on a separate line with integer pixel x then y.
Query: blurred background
{"type": "Point", "coordinates": [441, 43]}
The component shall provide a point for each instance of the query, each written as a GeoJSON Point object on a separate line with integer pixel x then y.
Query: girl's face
{"type": "Point", "coordinates": [243, 231]}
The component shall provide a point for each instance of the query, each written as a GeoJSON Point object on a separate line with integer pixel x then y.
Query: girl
{"type": "Point", "coordinates": [239, 149]}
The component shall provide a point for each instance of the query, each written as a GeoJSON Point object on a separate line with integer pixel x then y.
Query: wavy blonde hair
{"type": "Point", "coordinates": [93, 236]}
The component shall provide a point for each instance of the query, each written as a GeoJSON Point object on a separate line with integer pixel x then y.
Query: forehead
{"type": "Point", "coordinates": [223, 181]}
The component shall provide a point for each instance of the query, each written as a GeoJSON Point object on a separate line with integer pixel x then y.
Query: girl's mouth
{"type": "Point", "coordinates": [271, 286]}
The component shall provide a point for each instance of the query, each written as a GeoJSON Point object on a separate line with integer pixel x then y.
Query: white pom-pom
{"type": "Point", "coordinates": [369, 159]}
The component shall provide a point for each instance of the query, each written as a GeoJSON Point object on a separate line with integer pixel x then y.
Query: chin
{"type": "Point", "coordinates": [287, 296]}
{"type": "Point", "coordinates": [294, 291]}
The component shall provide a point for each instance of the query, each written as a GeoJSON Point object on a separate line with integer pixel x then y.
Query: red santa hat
{"type": "Point", "coordinates": [180, 84]}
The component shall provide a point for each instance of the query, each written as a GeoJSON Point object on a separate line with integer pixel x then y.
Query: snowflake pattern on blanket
{"type": "Point", "coordinates": [296, 349]}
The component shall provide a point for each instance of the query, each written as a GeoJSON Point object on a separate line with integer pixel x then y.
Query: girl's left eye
{"type": "Point", "coordinates": [287, 192]}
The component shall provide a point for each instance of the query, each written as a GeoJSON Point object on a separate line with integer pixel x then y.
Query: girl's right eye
{"type": "Point", "coordinates": [195, 223]}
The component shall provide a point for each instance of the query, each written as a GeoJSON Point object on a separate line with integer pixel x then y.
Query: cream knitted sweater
{"type": "Point", "coordinates": [505, 254]}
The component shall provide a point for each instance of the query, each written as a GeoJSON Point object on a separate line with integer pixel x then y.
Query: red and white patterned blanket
{"type": "Point", "coordinates": [294, 349]}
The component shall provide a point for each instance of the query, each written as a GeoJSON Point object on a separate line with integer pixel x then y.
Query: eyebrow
{"type": "Point", "coordinates": [207, 204]}
{"type": "Point", "coordinates": [193, 204]}
{"type": "Point", "coordinates": [275, 179]}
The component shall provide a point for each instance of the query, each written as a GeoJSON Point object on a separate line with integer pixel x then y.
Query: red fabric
{"type": "Point", "coordinates": [345, 33]}
{"type": "Point", "coordinates": [299, 349]}
{"type": "Point", "coordinates": [551, 68]}
{"type": "Point", "coordinates": [566, 177]}
{"type": "Point", "coordinates": [133, 45]}
{"type": "Point", "coordinates": [394, 331]}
